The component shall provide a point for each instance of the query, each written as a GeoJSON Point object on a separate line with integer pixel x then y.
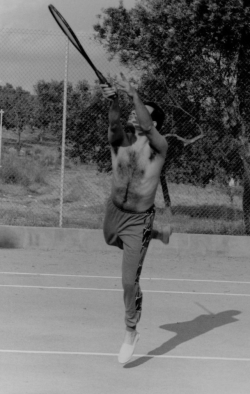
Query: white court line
{"type": "Point", "coordinates": [119, 277]}
{"type": "Point", "coordinates": [58, 353]}
{"type": "Point", "coordinates": [144, 291]}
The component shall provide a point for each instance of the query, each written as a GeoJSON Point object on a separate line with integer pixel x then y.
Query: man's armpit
{"type": "Point", "coordinates": [157, 141]}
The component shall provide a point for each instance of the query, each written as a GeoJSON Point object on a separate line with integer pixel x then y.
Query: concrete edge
{"type": "Point", "coordinates": [48, 238]}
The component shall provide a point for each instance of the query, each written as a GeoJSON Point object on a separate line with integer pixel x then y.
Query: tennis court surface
{"type": "Point", "coordinates": [62, 321]}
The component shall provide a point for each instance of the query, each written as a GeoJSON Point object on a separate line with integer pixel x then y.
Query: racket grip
{"type": "Point", "coordinates": [114, 95]}
{"type": "Point", "coordinates": [103, 80]}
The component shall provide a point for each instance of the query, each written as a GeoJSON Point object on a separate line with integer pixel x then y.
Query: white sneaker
{"type": "Point", "coordinates": [127, 351]}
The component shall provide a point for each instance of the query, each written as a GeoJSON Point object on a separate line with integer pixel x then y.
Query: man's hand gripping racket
{"type": "Point", "coordinates": [122, 84]}
{"type": "Point", "coordinates": [109, 92]}
{"type": "Point", "coordinates": [63, 24]}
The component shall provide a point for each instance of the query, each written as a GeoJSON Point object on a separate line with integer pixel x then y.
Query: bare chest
{"type": "Point", "coordinates": [133, 163]}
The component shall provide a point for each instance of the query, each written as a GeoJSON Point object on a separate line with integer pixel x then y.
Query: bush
{"type": "Point", "coordinates": [22, 170]}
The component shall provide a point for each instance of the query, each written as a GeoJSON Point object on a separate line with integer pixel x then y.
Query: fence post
{"type": "Point", "coordinates": [64, 131]}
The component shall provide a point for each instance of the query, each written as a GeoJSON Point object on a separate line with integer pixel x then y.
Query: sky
{"type": "Point", "coordinates": [33, 14]}
{"type": "Point", "coordinates": [33, 48]}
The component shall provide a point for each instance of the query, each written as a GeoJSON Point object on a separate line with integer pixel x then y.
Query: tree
{"type": "Point", "coordinates": [195, 55]}
{"type": "Point", "coordinates": [18, 106]}
{"type": "Point", "coordinates": [157, 52]}
{"type": "Point", "coordinates": [88, 126]}
{"type": "Point", "coordinates": [232, 41]}
{"type": "Point", "coordinates": [49, 106]}
{"type": "Point", "coordinates": [78, 100]}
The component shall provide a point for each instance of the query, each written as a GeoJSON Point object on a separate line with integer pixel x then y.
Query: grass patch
{"type": "Point", "coordinates": [28, 217]}
{"type": "Point", "coordinates": [213, 212]}
{"type": "Point", "coordinates": [30, 196]}
{"type": "Point", "coordinates": [187, 224]}
{"type": "Point", "coordinates": [22, 171]}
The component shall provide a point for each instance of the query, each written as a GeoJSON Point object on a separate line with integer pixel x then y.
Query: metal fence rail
{"type": "Point", "coordinates": [55, 158]}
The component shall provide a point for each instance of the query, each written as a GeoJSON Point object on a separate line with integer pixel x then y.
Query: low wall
{"type": "Point", "coordinates": [85, 239]}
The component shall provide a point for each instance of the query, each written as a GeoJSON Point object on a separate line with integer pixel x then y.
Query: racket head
{"type": "Point", "coordinates": [65, 27]}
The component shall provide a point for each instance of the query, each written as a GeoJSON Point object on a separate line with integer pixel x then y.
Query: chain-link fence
{"type": "Point", "coordinates": [55, 157]}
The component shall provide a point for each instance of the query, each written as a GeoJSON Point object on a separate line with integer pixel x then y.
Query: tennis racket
{"type": "Point", "coordinates": [65, 27]}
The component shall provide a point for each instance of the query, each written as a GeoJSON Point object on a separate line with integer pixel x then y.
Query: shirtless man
{"type": "Point", "coordinates": [137, 160]}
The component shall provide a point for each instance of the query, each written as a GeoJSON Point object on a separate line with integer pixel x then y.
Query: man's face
{"type": "Point", "coordinates": [133, 120]}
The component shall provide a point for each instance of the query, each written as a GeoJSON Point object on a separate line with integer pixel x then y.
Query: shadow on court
{"type": "Point", "coordinates": [186, 331]}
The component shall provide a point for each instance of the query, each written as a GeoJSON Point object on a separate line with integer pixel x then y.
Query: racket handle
{"type": "Point", "coordinates": [104, 81]}
{"type": "Point", "coordinates": [114, 95]}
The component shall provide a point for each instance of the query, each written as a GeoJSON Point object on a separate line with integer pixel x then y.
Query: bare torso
{"type": "Point", "coordinates": [136, 172]}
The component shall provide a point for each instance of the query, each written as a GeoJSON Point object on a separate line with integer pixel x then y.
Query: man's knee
{"type": "Point", "coordinates": [107, 238]}
{"type": "Point", "coordinates": [112, 239]}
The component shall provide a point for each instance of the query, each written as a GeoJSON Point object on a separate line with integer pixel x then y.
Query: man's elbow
{"type": "Point", "coordinates": [147, 128]}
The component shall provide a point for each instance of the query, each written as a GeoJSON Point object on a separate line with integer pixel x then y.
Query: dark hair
{"type": "Point", "coordinates": [157, 114]}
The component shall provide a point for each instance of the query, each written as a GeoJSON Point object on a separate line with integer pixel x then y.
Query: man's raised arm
{"type": "Point", "coordinates": [146, 123]}
{"type": "Point", "coordinates": [115, 132]}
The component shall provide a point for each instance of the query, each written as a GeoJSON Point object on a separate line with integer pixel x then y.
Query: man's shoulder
{"type": "Point", "coordinates": [155, 149]}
